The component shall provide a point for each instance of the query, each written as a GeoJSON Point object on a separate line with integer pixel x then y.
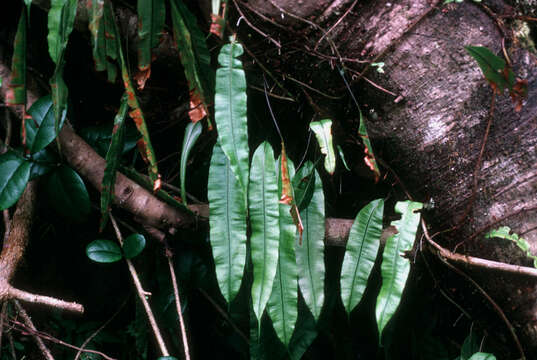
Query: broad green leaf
{"type": "Point", "coordinates": [303, 185]}
{"type": "Point", "coordinates": [369, 157]}
{"type": "Point", "coordinates": [227, 220]}
{"type": "Point", "coordinates": [145, 147]}
{"type": "Point", "coordinates": [323, 133]}
{"type": "Point", "coordinates": [67, 194]}
{"type": "Point", "coordinates": [395, 267]}
{"type": "Point", "coordinates": [100, 136]}
{"type": "Point", "coordinates": [18, 64]}
{"type": "Point", "coordinates": [103, 251]}
{"type": "Point", "coordinates": [43, 162]}
{"type": "Point", "coordinates": [61, 17]}
{"type": "Point", "coordinates": [133, 245]}
{"type": "Point", "coordinates": [282, 304]}
{"type": "Point", "coordinates": [362, 249]}
{"type": "Point", "coordinates": [482, 356]}
{"type": "Point", "coordinates": [263, 204]}
{"type": "Point", "coordinates": [192, 132]}
{"type": "Point", "coordinates": [195, 58]}
{"type": "Point", "coordinates": [493, 67]}
{"type": "Point", "coordinates": [112, 161]}
{"type": "Point", "coordinates": [310, 254]}
{"type": "Point", "coordinates": [41, 128]}
{"type": "Point", "coordinates": [13, 178]}
{"type": "Point", "coordinates": [167, 358]}
{"type": "Point", "coordinates": [342, 156]}
{"type": "Point", "coordinates": [151, 16]}
{"type": "Point", "coordinates": [230, 110]}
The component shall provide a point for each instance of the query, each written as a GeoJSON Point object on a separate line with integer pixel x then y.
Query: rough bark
{"type": "Point", "coordinates": [431, 131]}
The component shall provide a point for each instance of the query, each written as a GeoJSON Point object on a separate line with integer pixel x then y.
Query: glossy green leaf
{"type": "Point", "coordinates": [192, 133]}
{"type": "Point", "coordinates": [67, 194]}
{"type": "Point", "coordinates": [113, 157]}
{"type": "Point", "coordinates": [133, 245]}
{"type": "Point", "coordinates": [395, 267]}
{"type": "Point", "coordinates": [103, 251]}
{"type": "Point", "coordinates": [310, 255]}
{"type": "Point", "coordinates": [369, 157]}
{"type": "Point", "coordinates": [100, 136]}
{"type": "Point", "coordinates": [227, 220]}
{"type": "Point", "coordinates": [41, 129]}
{"type": "Point", "coordinates": [151, 16]}
{"type": "Point", "coordinates": [361, 252]}
{"type": "Point", "coordinates": [61, 17]}
{"type": "Point", "coordinates": [230, 110]}
{"type": "Point", "coordinates": [145, 146]}
{"type": "Point", "coordinates": [493, 67]}
{"type": "Point", "coordinates": [43, 162]}
{"type": "Point", "coordinates": [13, 178]}
{"type": "Point", "coordinates": [482, 356]}
{"type": "Point", "coordinates": [505, 232]}
{"type": "Point", "coordinates": [282, 304]}
{"type": "Point", "coordinates": [342, 156]}
{"type": "Point", "coordinates": [264, 211]}
{"type": "Point", "coordinates": [304, 184]}
{"type": "Point", "coordinates": [323, 133]}
{"type": "Point", "coordinates": [18, 64]}
{"type": "Point", "coordinates": [195, 58]}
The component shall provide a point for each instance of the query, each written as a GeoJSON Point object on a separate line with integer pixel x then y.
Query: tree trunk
{"type": "Point", "coordinates": [431, 129]}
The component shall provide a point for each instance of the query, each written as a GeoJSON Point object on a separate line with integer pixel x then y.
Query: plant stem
{"type": "Point", "coordinates": [178, 305]}
{"type": "Point", "coordinates": [141, 294]}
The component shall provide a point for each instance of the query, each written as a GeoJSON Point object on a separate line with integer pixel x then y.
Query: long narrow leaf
{"type": "Point", "coordinates": [151, 16]}
{"type": "Point", "coordinates": [282, 304]}
{"type": "Point", "coordinates": [264, 212]}
{"type": "Point", "coordinates": [303, 185]}
{"type": "Point", "coordinates": [395, 268]}
{"type": "Point", "coordinates": [192, 133]}
{"type": "Point", "coordinates": [112, 161]}
{"type": "Point", "coordinates": [195, 58]}
{"type": "Point", "coordinates": [61, 18]}
{"type": "Point", "coordinates": [323, 133]}
{"type": "Point", "coordinates": [230, 110]}
{"type": "Point", "coordinates": [310, 256]}
{"type": "Point", "coordinates": [96, 27]}
{"type": "Point", "coordinates": [227, 209]}
{"type": "Point", "coordinates": [146, 149]}
{"type": "Point", "coordinates": [18, 65]}
{"type": "Point", "coordinates": [361, 252]}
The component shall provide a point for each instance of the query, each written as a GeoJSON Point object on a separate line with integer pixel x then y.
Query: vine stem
{"type": "Point", "coordinates": [178, 305]}
{"type": "Point", "coordinates": [142, 294]}
{"type": "Point", "coordinates": [40, 344]}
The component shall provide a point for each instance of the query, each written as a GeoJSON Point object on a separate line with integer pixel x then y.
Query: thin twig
{"type": "Point", "coordinates": [335, 24]}
{"type": "Point", "coordinates": [142, 295]}
{"type": "Point", "coordinates": [25, 296]}
{"type": "Point", "coordinates": [313, 89]}
{"type": "Point", "coordinates": [17, 325]}
{"type": "Point", "coordinates": [254, 27]}
{"type": "Point", "coordinates": [29, 324]}
{"type": "Point", "coordinates": [178, 305]}
{"type": "Point", "coordinates": [477, 262]}
{"type": "Point", "coordinates": [496, 307]}
{"type": "Point", "coordinates": [272, 94]}
{"type": "Point", "coordinates": [86, 342]}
